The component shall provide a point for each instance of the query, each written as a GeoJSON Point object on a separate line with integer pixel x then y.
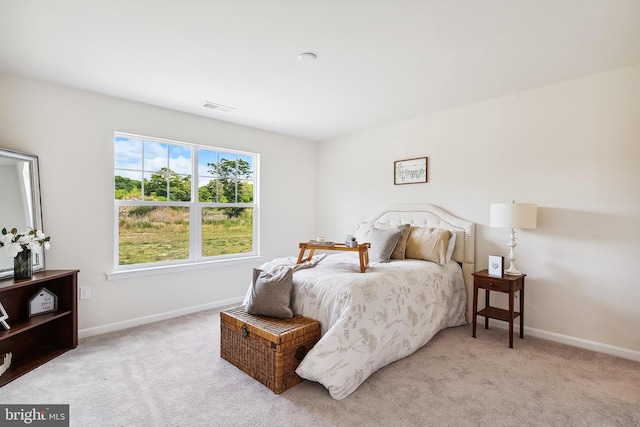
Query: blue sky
{"type": "Point", "coordinates": [129, 162]}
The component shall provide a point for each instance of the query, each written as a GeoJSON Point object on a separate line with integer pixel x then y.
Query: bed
{"type": "Point", "coordinates": [369, 320]}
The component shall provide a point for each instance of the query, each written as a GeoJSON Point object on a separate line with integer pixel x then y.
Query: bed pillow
{"type": "Point", "coordinates": [364, 230]}
{"type": "Point", "coordinates": [429, 244]}
{"type": "Point", "coordinates": [451, 246]}
{"type": "Point", "coordinates": [401, 246]}
{"type": "Point", "coordinates": [270, 294]}
{"type": "Point", "coordinates": [382, 241]}
{"type": "Point", "coordinates": [362, 233]}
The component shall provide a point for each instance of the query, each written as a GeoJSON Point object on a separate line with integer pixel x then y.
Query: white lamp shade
{"type": "Point", "coordinates": [513, 215]}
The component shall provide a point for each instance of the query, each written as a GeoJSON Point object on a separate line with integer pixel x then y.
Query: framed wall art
{"type": "Point", "coordinates": [410, 171]}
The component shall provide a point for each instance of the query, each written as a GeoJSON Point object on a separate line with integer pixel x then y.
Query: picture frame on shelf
{"type": "Point", "coordinates": [3, 317]}
{"type": "Point", "coordinates": [5, 362]}
{"type": "Point", "coordinates": [410, 171]}
{"type": "Point", "coordinates": [496, 266]}
{"type": "Point", "coordinates": [42, 302]}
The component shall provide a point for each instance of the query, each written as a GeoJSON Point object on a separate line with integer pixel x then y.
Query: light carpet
{"type": "Point", "coordinates": [170, 374]}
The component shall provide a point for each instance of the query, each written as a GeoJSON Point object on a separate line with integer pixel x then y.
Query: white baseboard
{"type": "Point", "coordinates": [98, 330]}
{"type": "Point", "coordinates": [551, 336]}
{"type": "Point", "coordinates": [566, 339]}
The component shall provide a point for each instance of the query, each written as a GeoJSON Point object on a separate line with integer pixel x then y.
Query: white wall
{"type": "Point", "coordinates": [72, 133]}
{"type": "Point", "coordinates": [572, 148]}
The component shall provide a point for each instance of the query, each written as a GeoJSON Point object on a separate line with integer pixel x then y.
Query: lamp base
{"type": "Point", "coordinates": [512, 270]}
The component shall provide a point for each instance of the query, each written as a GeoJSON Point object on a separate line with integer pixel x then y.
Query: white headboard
{"type": "Point", "coordinates": [423, 214]}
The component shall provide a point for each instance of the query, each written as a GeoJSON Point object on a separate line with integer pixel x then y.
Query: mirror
{"type": "Point", "coordinates": [19, 202]}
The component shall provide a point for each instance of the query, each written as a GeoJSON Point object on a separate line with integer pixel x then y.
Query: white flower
{"type": "Point", "coordinates": [13, 249]}
{"type": "Point", "coordinates": [14, 242]}
{"type": "Point", "coordinates": [33, 245]}
{"type": "Point", "coordinates": [24, 239]}
{"type": "Point", "coordinates": [5, 239]}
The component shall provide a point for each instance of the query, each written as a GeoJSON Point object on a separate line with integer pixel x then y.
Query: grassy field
{"type": "Point", "coordinates": [154, 234]}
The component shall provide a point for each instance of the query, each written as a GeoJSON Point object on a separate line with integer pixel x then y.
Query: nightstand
{"type": "Point", "coordinates": [505, 284]}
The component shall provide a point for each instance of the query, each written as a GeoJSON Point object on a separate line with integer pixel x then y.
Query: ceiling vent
{"type": "Point", "coordinates": [217, 107]}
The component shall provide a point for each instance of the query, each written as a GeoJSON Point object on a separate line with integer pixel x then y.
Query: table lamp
{"type": "Point", "coordinates": [513, 215]}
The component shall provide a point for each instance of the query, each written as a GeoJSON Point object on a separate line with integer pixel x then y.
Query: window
{"type": "Point", "coordinates": [180, 203]}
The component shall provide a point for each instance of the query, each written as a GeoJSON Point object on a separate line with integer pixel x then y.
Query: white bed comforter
{"type": "Point", "coordinates": [371, 319]}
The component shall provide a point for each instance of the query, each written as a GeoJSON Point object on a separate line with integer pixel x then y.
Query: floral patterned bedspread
{"type": "Point", "coordinates": [372, 319]}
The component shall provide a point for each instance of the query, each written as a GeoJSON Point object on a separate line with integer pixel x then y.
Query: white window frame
{"type": "Point", "coordinates": [195, 260]}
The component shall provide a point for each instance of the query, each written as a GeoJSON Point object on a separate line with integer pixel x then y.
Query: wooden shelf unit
{"type": "Point", "coordinates": [35, 340]}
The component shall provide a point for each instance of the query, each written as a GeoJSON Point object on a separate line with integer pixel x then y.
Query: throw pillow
{"type": "Point", "coordinates": [271, 294]}
{"type": "Point", "coordinates": [429, 244]}
{"type": "Point", "coordinates": [382, 244]}
{"type": "Point", "coordinates": [364, 231]}
{"type": "Point", "coordinates": [401, 246]}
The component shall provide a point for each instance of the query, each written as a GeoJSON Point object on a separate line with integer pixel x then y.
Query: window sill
{"type": "Point", "coordinates": [150, 271]}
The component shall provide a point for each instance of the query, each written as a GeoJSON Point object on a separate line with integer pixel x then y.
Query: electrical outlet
{"type": "Point", "coordinates": [85, 292]}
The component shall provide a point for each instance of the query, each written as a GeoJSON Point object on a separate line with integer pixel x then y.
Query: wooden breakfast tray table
{"type": "Point", "coordinates": [362, 249]}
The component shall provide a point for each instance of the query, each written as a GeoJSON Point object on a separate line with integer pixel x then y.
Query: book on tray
{"type": "Point", "coordinates": [317, 243]}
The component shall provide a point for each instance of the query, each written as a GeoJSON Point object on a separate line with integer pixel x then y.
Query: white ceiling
{"type": "Point", "coordinates": [378, 61]}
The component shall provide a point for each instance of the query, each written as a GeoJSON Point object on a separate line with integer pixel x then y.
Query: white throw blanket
{"type": "Point", "coordinates": [277, 265]}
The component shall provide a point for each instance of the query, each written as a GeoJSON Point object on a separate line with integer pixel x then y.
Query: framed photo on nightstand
{"type": "Point", "coordinates": [496, 266]}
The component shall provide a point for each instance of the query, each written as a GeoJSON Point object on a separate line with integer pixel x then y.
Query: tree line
{"type": "Point", "coordinates": [230, 186]}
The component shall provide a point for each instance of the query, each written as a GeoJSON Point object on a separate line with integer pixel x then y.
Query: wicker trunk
{"type": "Point", "coordinates": [267, 348]}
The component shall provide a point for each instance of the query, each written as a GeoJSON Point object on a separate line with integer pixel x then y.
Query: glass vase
{"type": "Point", "coordinates": [23, 265]}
